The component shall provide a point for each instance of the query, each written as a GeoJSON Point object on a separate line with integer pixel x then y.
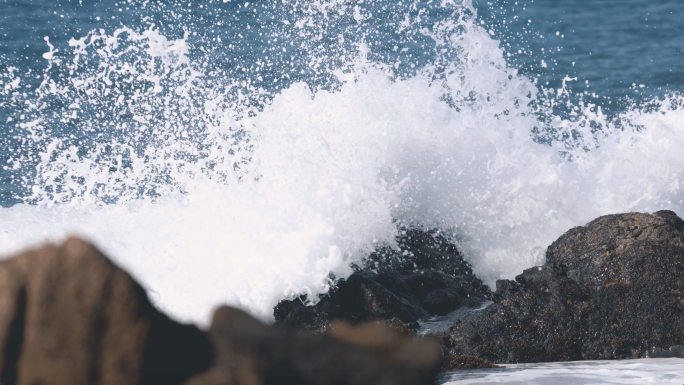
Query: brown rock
{"type": "Point", "coordinates": [409, 355]}
{"type": "Point", "coordinates": [252, 353]}
{"type": "Point", "coordinates": [452, 363]}
{"type": "Point", "coordinates": [70, 316]}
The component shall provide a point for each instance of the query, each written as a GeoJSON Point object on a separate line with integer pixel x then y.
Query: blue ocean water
{"type": "Point", "coordinates": [614, 44]}
{"type": "Point", "coordinates": [239, 152]}
{"type": "Point", "coordinates": [620, 52]}
{"type": "Point", "coordinates": [620, 49]}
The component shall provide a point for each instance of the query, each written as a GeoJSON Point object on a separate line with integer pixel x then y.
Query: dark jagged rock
{"type": "Point", "coordinates": [611, 289]}
{"type": "Point", "coordinates": [70, 316]}
{"type": "Point", "coordinates": [426, 276]}
{"type": "Point", "coordinates": [252, 353]}
{"type": "Point", "coordinates": [452, 363]}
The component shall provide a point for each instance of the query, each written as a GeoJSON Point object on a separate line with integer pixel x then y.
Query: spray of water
{"type": "Point", "coordinates": [248, 185]}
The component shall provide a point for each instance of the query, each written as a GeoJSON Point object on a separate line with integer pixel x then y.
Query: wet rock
{"type": "Point", "coordinates": [610, 289]}
{"type": "Point", "coordinates": [249, 352]}
{"type": "Point", "coordinates": [452, 363]}
{"type": "Point", "coordinates": [70, 316]}
{"type": "Point", "coordinates": [427, 276]}
{"type": "Point", "coordinates": [676, 351]}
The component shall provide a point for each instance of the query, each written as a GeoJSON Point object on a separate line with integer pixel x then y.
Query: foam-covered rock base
{"type": "Point", "coordinates": [426, 276]}
{"type": "Point", "coordinates": [611, 289]}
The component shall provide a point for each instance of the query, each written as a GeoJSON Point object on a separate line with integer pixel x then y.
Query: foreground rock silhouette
{"type": "Point", "coordinates": [252, 353]}
{"type": "Point", "coordinates": [611, 289]}
{"type": "Point", "coordinates": [70, 316]}
{"type": "Point", "coordinates": [426, 276]}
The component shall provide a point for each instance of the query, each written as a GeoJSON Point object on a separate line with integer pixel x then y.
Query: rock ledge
{"type": "Point", "coordinates": [611, 289]}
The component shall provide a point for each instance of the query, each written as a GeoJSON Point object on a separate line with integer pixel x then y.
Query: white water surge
{"type": "Point", "coordinates": [627, 372]}
{"type": "Point", "coordinates": [248, 205]}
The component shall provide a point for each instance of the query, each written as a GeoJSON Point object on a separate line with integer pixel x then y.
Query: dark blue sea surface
{"type": "Point", "coordinates": [617, 46]}
{"type": "Point", "coordinates": [616, 49]}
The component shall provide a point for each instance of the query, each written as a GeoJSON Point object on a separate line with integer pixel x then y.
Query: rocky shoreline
{"type": "Point", "coordinates": [611, 289]}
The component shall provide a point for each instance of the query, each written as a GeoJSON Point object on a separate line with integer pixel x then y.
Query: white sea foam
{"type": "Point", "coordinates": [637, 372]}
{"type": "Point", "coordinates": [226, 203]}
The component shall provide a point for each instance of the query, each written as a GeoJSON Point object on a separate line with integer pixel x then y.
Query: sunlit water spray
{"type": "Point", "coordinates": [250, 185]}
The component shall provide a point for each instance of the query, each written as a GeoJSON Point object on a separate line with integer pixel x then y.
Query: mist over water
{"type": "Point", "coordinates": [236, 152]}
